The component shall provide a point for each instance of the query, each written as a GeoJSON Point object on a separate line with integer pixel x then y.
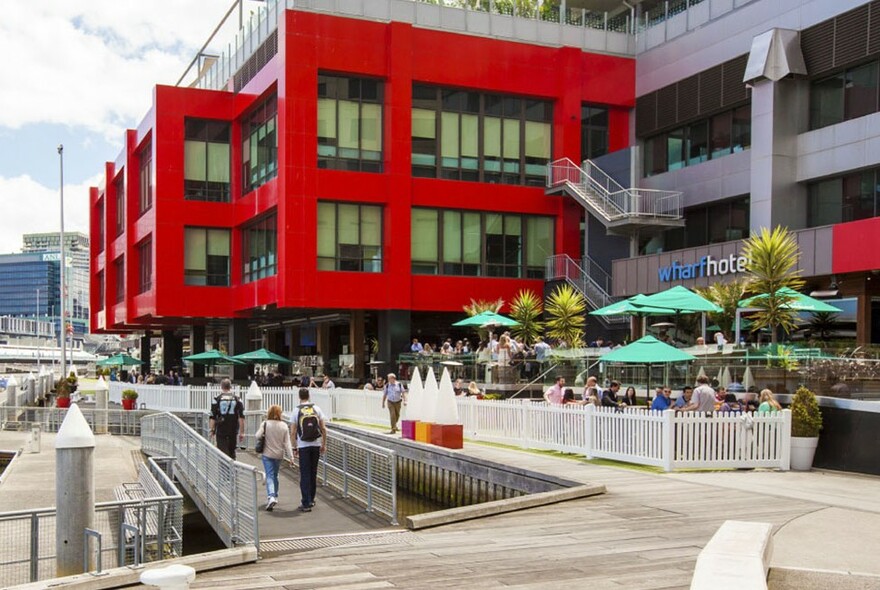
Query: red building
{"type": "Point", "coordinates": [355, 179]}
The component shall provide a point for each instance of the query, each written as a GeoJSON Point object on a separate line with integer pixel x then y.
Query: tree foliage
{"type": "Point", "coordinates": [726, 296]}
{"type": "Point", "coordinates": [478, 306]}
{"type": "Point", "coordinates": [526, 309]}
{"type": "Point", "coordinates": [772, 265]}
{"type": "Point", "coordinates": [565, 308]}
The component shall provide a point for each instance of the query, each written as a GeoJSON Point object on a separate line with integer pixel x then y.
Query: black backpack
{"type": "Point", "coordinates": [308, 425]}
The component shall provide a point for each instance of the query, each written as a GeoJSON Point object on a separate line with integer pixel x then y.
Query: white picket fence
{"type": "Point", "coordinates": [634, 435]}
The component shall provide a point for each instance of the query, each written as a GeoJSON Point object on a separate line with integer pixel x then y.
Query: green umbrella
{"type": "Point", "coordinates": [647, 350]}
{"type": "Point", "coordinates": [627, 307]}
{"type": "Point", "coordinates": [212, 357]}
{"type": "Point", "coordinates": [262, 356]}
{"type": "Point", "coordinates": [799, 302]}
{"type": "Point", "coordinates": [679, 299]}
{"type": "Point", "coordinates": [119, 360]}
{"type": "Point", "coordinates": [487, 318]}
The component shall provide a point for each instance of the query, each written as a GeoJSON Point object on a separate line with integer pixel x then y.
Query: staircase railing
{"type": "Point", "coordinates": [607, 197]}
{"type": "Point", "coordinates": [561, 267]}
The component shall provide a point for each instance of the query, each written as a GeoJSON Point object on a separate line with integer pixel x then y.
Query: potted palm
{"type": "Point", "coordinates": [129, 399]}
{"type": "Point", "coordinates": [62, 393]}
{"type": "Point", "coordinates": [806, 422]}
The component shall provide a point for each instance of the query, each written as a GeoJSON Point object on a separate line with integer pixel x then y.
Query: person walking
{"type": "Point", "coordinates": [227, 419]}
{"type": "Point", "coordinates": [311, 442]}
{"type": "Point", "coordinates": [276, 446]}
{"type": "Point", "coordinates": [394, 396]}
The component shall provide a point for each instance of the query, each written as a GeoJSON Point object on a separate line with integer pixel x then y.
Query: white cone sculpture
{"type": "Point", "coordinates": [748, 380]}
{"type": "Point", "coordinates": [415, 398]}
{"type": "Point", "coordinates": [430, 398]}
{"type": "Point", "coordinates": [725, 377]}
{"type": "Point", "coordinates": [701, 373]}
{"type": "Point", "coordinates": [446, 411]}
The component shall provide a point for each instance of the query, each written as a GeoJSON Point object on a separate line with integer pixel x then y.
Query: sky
{"type": "Point", "coordinates": [79, 74]}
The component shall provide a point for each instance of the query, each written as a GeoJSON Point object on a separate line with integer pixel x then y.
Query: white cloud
{"type": "Point", "coordinates": [33, 207]}
{"type": "Point", "coordinates": [93, 64]}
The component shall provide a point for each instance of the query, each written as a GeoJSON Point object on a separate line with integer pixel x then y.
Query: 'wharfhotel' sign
{"type": "Point", "coordinates": [708, 266]}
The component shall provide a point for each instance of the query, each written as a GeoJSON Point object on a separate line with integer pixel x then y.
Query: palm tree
{"type": "Point", "coordinates": [822, 324]}
{"type": "Point", "coordinates": [772, 265]}
{"type": "Point", "coordinates": [726, 296]}
{"type": "Point", "coordinates": [526, 309]}
{"type": "Point", "coordinates": [478, 306]}
{"type": "Point", "coordinates": [566, 308]}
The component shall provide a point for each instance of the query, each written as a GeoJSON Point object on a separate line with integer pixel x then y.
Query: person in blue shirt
{"type": "Point", "coordinates": [685, 398]}
{"type": "Point", "coordinates": [663, 401]}
{"type": "Point", "coordinates": [416, 346]}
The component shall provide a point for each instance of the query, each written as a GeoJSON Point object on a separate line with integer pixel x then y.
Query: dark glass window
{"type": "Point", "coordinates": [259, 243]}
{"type": "Point", "coordinates": [709, 224]}
{"type": "Point", "coordinates": [845, 198]}
{"type": "Point", "coordinates": [145, 266]}
{"type": "Point", "coordinates": [119, 267]}
{"type": "Point", "coordinates": [846, 95]}
{"type": "Point", "coordinates": [99, 211]}
{"type": "Point", "coordinates": [206, 256]}
{"type": "Point", "coordinates": [206, 160]}
{"type": "Point", "coordinates": [705, 139]}
{"type": "Point", "coordinates": [349, 237]}
{"type": "Point", "coordinates": [101, 288]}
{"type": "Point", "coordinates": [260, 145]}
{"type": "Point", "coordinates": [594, 131]}
{"type": "Point", "coordinates": [146, 178]}
{"type": "Point", "coordinates": [474, 243]}
{"type": "Point", "coordinates": [120, 203]}
{"type": "Point", "coordinates": [349, 123]}
{"type": "Point", "coordinates": [465, 135]}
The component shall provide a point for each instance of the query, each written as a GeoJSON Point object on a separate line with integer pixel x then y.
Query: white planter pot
{"type": "Point", "coordinates": [802, 451]}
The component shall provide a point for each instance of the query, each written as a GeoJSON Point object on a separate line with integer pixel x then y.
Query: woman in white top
{"type": "Point", "coordinates": [275, 448]}
{"type": "Point", "coordinates": [504, 350]}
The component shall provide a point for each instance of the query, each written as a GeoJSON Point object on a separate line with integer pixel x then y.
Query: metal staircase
{"type": "Point", "coordinates": [561, 267]}
{"type": "Point", "coordinates": [621, 210]}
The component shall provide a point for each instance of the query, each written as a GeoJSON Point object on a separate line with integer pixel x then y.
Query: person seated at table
{"type": "Point", "coordinates": [663, 399]}
{"type": "Point", "coordinates": [379, 383]}
{"type": "Point", "coordinates": [730, 404]}
{"type": "Point", "coordinates": [568, 398]}
{"type": "Point", "coordinates": [473, 390]}
{"type": "Point", "coordinates": [769, 405]}
{"type": "Point", "coordinates": [749, 401]}
{"type": "Point", "coordinates": [458, 387]}
{"type": "Point", "coordinates": [720, 394]}
{"type": "Point", "coordinates": [609, 396]}
{"type": "Point", "coordinates": [629, 397]}
{"type": "Point", "coordinates": [685, 397]}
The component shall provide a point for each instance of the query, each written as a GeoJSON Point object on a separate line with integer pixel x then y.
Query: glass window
{"type": "Point", "coordinates": [675, 149]}
{"type": "Point", "coordinates": [120, 203]}
{"type": "Point", "coordinates": [698, 143]}
{"type": "Point", "coordinates": [145, 266]}
{"type": "Point", "coordinates": [259, 249]}
{"type": "Point", "coordinates": [742, 128]}
{"type": "Point", "coordinates": [655, 155]}
{"type": "Point", "coordinates": [594, 131]}
{"type": "Point", "coordinates": [206, 160]}
{"type": "Point", "coordinates": [119, 268]}
{"type": "Point", "coordinates": [720, 129]}
{"type": "Point", "coordinates": [206, 256]}
{"type": "Point", "coordinates": [146, 178]}
{"type": "Point", "coordinates": [99, 211]}
{"type": "Point", "coordinates": [860, 91]}
{"type": "Point", "coordinates": [101, 288]}
{"type": "Point", "coordinates": [349, 123]}
{"type": "Point", "coordinates": [825, 202]}
{"type": "Point", "coordinates": [485, 138]}
{"type": "Point", "coordinates": [826, 101]}
{"type": "Point", "coordinates": [260, 145]}
{"type": "Point", "coordinates": [858, 196]}
{"type": "Point", "coordinates": [349, 237]}
{"type": "Point", "coordinates": [453, 243]}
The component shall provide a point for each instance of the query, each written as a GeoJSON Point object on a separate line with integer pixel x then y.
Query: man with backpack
{"type": "Point", "coordinates": [393, 395]}
{"type": "Point", "coordinates": [227, 419]}
{"type": "Point", "coordinates": [311, 442]}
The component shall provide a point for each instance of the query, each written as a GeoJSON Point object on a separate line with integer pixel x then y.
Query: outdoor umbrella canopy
{"type": "Point", "coordinates": [679, 299]}
{"type": "Point", "coordinates": [799, 302]}
{"type": "Point", "coordinates": [487, 318]}
{"type": "Point", "coordinates": [119, 360]}
{"type": "Point", "coordinates": [627, 307]}
{"type": "Point", "coordinates": [212, 357]}
{"type": "Point", "coordinates": [647, 350]}
{"type": "Point", "coordinates": [262, 356]}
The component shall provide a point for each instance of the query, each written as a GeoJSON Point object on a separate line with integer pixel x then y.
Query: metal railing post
{"type": "Point", "coordinates": [345, 469]}
{"type": "Point", "coordinates": [35, 547]}
{"type": "Point", "coordinates": [86, 561]}
{"type": "Point", "coordinates": [369, 482]}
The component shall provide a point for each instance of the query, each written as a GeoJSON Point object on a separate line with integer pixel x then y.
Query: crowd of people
{"type": "Point", "coordinates": [170, 378]}
{"type": "Point", "coordinates": [705, 397]}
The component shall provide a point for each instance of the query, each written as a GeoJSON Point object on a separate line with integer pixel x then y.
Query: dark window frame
{"type": "Point", "coordinates": [262, 119]}
{"type": "Point", "coordinates": [845, 101]}
{"type": "Point", "coordinates": [145, 178]}
{"type": "Point", "coordinates": [208, 131]}
{"type": "Point", "coordinates": [119, 268]}
{"type": "Point", "coordinates": [589, 129]}
{"type": "Point", "coordinates": [119, 189]}
{"type": "Point", "coordinates": [333, 87]}
{"type": "Point", "coordinates": [348, 262]}
{"type": "Point", "coordinates": [265, 229]}
{"type": "Point", "coordinates": [145, 265]}
{"type": "Point", "coordinates": [209, 277]}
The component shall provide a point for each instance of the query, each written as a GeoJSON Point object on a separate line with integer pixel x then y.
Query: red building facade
{"type": "Point", "coordinates": [163, 228]}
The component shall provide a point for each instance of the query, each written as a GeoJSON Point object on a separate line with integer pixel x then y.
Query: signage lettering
{"type": "Point", "coordinates": [708, 266]}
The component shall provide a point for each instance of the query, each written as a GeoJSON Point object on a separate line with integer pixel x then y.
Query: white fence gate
{"type": "Point", "coordinates": [667, 439]}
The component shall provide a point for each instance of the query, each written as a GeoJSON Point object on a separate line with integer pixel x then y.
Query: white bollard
{"type": "Point", "coordinates": [172, 577]}
{"type": "Point", "coordinates": [74, 492]}
{"type": "Point", "coordinates": [101, 399]}
{"type": "Point", "coordinates": [30, 385]}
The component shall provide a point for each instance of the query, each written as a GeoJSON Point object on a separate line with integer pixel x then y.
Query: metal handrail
{"type": "Point", "coordinates": [572, 273]}
{"type": "Point", "coordinates": [611, 200]}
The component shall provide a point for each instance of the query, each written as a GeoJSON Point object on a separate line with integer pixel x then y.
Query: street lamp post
{"type": "Point", "coordinates": [63, 331]}
{"type": "Point", "coordinates": [37, 329]}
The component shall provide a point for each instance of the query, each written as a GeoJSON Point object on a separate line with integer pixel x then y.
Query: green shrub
{"type": "Point", "coordinates": [129, 394]}
{"type": "Point", "coordinates": [806, 417]}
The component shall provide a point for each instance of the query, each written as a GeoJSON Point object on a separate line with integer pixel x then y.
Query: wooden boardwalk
{"type": "Point", "coordinates": [645, 532]}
